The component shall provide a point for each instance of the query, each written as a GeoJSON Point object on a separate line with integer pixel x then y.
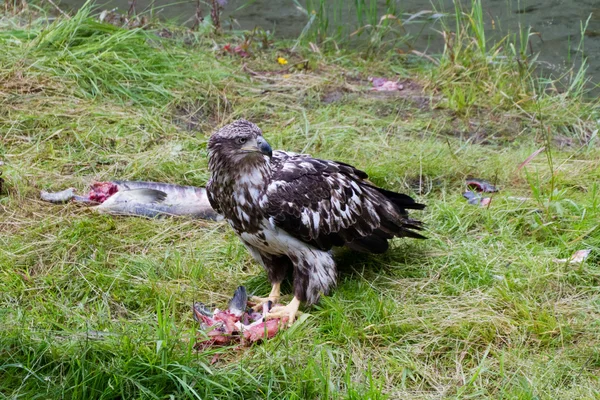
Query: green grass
{"type": "Point", "coordinates": [95, 306]}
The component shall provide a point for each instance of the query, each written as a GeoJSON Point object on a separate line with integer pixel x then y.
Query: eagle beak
{"type": "Point", "coordinates": [264, 147]}
{"type": "Point", "coordinates": [261, 146]}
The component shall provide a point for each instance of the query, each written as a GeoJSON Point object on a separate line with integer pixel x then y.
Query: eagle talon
{"type": "Point", "coordinates": [273, 297]}
{"type": "Point", "coordinates": [288, 311]}
{"type": "Point", "coordinates": [260, 301]}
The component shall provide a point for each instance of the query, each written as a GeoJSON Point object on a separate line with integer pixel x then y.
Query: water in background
{"type": "Point", "coordinates": [558, 22]}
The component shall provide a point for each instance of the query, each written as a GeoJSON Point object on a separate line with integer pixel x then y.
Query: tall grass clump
{"type": "Point", "coordinates": [101, 59]}
{"type": "Point", "coordinates": [321, 16]}
{"type": "Point", "coordinates": [474, 73]}
{"type": "Point", "coordinates": [471, 71]}
{"type": "Point", "coordinates": [341, 23]}
{"type": "Point", "coordinates": [385, 31]}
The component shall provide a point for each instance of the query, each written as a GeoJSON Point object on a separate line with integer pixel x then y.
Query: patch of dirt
{"type": "Point", "coordinates": [358, 89]}
{"type": "Point", "coordinates": [19, 84]}
{"type": "Point", "coordinates": [409, 90]}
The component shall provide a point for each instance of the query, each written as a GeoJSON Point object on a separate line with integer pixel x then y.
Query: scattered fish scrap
{"type": "Point", "coordinates": [577, 258]}
{"type": "Point", "coordinates": [476, 199]}
{"type": "Point", "coordinates": [480, 186]}
{"type": "Point", "coordinates": [238, 324]}
{"type": "Point", "coordinates": [385, 85]}
{"type": "Point", "coordinates": [239, 50]}
{"type": "Point", "coordinates": [138, 198]}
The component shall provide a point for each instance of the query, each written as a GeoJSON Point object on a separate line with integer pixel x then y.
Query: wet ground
{"type": "Point", "coordinates": [558, 22]}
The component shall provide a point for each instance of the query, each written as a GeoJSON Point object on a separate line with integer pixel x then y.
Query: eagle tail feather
{"type": "Point", "coordinates": [412, 234]}
{"type": "Point", "coordinates": [402, 201]}
{"type": "Point", "coordinates": [401, 227]}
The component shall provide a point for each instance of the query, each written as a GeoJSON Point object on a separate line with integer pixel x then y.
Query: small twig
{"type": "Point", "coordinates": [245, 68]}
{"type": "Point", "coordinates": [530, 47]}
{"type": "Point", "coordinates": [215, 14]}
{"type": "Point", "coordinates": [420, 54]}
{"type": "Point", "coordinates": [59, 10]}
{"type": "Point", "coordinates": [131, 10]}
{"type": "Point", "coordinates": [198, 17]}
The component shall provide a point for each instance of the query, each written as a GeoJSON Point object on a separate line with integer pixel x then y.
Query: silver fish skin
{"type": "Point", "coordinates": [151, 199]}
{"type": "Point", "coordinates": [58, 197]}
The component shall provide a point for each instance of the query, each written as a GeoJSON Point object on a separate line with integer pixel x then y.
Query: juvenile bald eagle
{"type": "Point", "coordinates": [290, 209]}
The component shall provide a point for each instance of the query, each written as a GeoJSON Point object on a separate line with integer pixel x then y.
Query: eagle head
{"type": "Point", "coordinates": [238, 143]}
{"type": "Point", "coordinates": [239, 160]}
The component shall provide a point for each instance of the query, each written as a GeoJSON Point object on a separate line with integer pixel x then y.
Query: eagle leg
{"type": "Point", "coordinates": [273, 297]}
{"type": "Point", "coordinates": [288, 311]}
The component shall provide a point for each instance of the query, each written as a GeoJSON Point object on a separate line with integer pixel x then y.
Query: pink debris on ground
{"type": "Point", "coordinates": [480, 185]}
{"type": "Point", "coordinates": [576, 258]}
{"type": "Point", "coordinates": [477, 186]}
{"type": "Point", "coordinates": [239, 50]}
{"type": "Point", "coordinates": [485, 201]}
{"type": "Point", "coordinates": [239, 324]}
{"type": "Point", "coordinates": [476, 199]}
{"type": "Point", "coordinates": [101, 191]}
{"type": "Point", "coordinates": [385, 85]}
{"type": "Point", "coordinates": [579, 256]}
{"type": "Point", "coordinates": [220, 327]}
{"type": "Point", "coordinates": [263, 330]}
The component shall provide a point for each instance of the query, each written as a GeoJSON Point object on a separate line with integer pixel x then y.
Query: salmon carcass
{"type": "Point", "coordinates": [147, 199]}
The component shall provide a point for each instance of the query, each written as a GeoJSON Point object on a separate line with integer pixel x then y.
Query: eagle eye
{"type": "Point", "coordinates": [241, 140]}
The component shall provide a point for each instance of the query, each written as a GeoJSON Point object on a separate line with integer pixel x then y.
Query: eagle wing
{"type": "Point", "coordinates": [209, 195]}
{"type": "Point", "coordinates": [327, 203]}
